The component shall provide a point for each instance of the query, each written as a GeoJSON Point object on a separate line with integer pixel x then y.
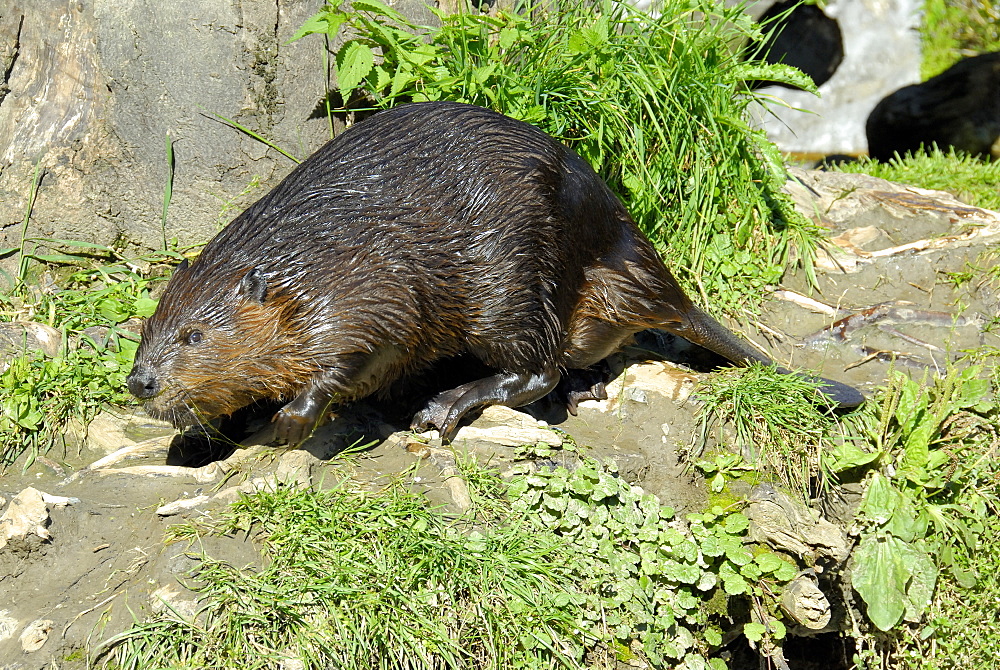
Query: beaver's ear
{"type": "Point", "coordinates": [254, 285]}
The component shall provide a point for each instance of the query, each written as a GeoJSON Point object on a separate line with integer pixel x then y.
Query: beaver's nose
{"type": "Point", "coordinates": [142, 383]}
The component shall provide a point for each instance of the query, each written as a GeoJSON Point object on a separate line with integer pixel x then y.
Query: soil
{"type": "Point", "coordinates": [105, 562]}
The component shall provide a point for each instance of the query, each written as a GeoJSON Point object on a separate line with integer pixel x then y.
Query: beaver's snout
{"type": "Point", "coordinates": [142, 383]}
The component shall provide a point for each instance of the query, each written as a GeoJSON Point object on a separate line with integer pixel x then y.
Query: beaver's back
{"type": "Point", "coordinates": [443, 217]}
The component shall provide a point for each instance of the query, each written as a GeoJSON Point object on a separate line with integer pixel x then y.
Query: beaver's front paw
{"type": "Point", "coordinates": [579, 385]}
{"type": "Point", "coordinates": [291, 427]}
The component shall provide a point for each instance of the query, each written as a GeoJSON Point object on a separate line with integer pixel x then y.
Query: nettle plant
{"type": "Point", "coordinates": [652, 585]}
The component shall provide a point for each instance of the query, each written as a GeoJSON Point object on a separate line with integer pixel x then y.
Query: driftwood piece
{"type": "Point", "coordinates": [804, 602]}
{"type": "Point", "coordinates": [777, 520]}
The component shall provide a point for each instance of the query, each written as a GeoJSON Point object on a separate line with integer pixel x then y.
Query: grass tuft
{"type": "Point", "coordinates": [362, 580]}
{"type": "Point", "coordinates": [656, 104]}
{"type": "Point", "coordinates": [780, 422]}
{"type": "Point", "coordinates": [968, 178]}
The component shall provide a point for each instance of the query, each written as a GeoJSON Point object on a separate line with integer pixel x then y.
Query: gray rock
{"type": "Point", "coordinates": [90, 91]}
{"type": "Point", "coordinates": [27, 337]}
{"type": "Point", "coordinates": [881, 53]}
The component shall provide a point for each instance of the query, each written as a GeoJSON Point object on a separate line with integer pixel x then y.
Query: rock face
{"type": "Point", "coordinates": [959, 108]}
{"type": "Point", "coordinates": [90, 91]}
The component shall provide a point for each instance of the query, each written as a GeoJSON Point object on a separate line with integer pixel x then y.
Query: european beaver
{"type": "Point", "coordinates": [426, 231]}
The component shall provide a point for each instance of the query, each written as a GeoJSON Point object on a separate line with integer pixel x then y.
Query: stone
{"type": "Point", "coordinates": [507, 436]}
{"type": "Point", "coordinates": [182, 505]}
{"type": "Point", "coordinates": [26, 515]}
{"type": "Point", "coordinates": [25, 337]}
{"type": "Point", "coordinates": [93, 105]}
{"type": "Point", "coordinates": [881, 47]}
{"type": "Point", "coordinates": [802, 36]}
{"type": "Point", "coordinates": [169, 598]}
{"type": "Point", "coordinates": [35, 634]}
{"type": "Point", "coordinates": [8, 625]}
{"type": "Point", "coordinates": [959, 109]}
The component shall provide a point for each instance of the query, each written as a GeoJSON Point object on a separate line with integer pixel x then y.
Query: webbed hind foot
{"type": "Point", "coordinates": [513, 389]}
{"type": "Point", "coordinates": [586, 384]}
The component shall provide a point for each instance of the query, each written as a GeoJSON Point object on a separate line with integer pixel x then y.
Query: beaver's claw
{"type": "Point", "coordinates": [579, 385]}
{"type": "Point", "coordinates": [292, 428]}
{"type": "Point", "coordinates": [436, 414]}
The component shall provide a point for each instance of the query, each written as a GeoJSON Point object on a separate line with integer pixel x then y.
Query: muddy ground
{"type": "Point", "coordinates": [93, 557]}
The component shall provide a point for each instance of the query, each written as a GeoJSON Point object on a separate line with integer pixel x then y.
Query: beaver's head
{"type": "Point", "coordinates": [216, 344]}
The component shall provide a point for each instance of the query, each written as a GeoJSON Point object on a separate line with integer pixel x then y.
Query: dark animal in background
{"type": "Point", "coordinates": [802, 36]}
{"type": "Point", "coordinates": [427, 231]}
{"type": "Point", "coordinates": [959, 108]}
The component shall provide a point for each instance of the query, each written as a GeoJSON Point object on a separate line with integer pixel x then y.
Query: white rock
{"type": "Point", "coordinates": [8, 625]}
{"type": "Point", "coordinates": [509, 436]}
{"type": "Point", "coordinates": [35, 634]}
{"type": "Point", "coordinates": [178, 506]}
{"type": "Point", "coordinates": [26, 514]}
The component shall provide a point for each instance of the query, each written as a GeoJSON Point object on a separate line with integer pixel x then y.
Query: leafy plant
{"type": "Point", "coordinates": [650, 584]}
{"type": "Point", "coordinates": [39, 395]}
{"type": "Point", "coordinates": [353, 579]}
{"type": "Point", "coordinates": [656, 105]}
{"type": "Point", "coordinates": [779, 422]}
{"type": "Point", "coordinates": [558, 568]}
{"type": "Point", "coordinates": [926, 510]}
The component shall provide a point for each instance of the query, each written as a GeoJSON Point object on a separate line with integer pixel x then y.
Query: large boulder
{"type": "Point", "coordinates": [90, 91]}
{"type": "Point", "coordinates": [959, 108]}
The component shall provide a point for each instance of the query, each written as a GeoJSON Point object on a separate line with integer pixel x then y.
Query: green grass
{"type": "Point", "coordinates": [956, 29]}
{"type": "Point", "coordinates": [40, 395]}
{"type": "Point", "coordinates": [369, 580]}
{"type": "Point", "coordinates": [960, 632]}
{"type": "Point", "coordinates": [779, 423]}
{"type": "Point", "coordinates": [657, 106]}
{"type": "Point", "coordinates": [968, 178]}
{"type": "Point", "coordinates": [557, 569]}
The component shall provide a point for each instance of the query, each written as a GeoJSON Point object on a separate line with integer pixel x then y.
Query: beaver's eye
{"type": "Point", "coordinates": [193, 337]}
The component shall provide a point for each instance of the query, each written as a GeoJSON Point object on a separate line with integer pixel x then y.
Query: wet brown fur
{"type": "Point", "coordinates": [425, 232]}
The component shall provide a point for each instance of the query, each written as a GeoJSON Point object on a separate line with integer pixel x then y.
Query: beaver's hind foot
{"type": "Point", "coordinates": [513, 389]}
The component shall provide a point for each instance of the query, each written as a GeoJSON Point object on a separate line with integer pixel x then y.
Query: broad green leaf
{"type": "Point", "coordinates": [880, 579]}
{"type": "Point", "coordinates": [906, 523]}
{"type": "Point", "coordinates": [113, 310]}
{"type": "Point", "coordinates": [732, 582]}
{"type": "Point", "coordinates": [923, 577]}
{"type": "Point", "coordinates": [848, 456]}
{"type": "Point", "coordinates": [377, 7]}
{"type": "Point", "coordinates": [508, 36]}
{"type": "Point", "coordinates": [754, 631]}
{"type": "Point", "coordinates": [354, 62]}
{"type": "Point", "coordinates": [317, 23]}
{"type": "Point", "coordinates": [145, 307]}
{"type": "Point", "coordinates": [880, 500]}
{"type": "Point", "coordinates": [768, 561]}
{"type": "Point", "coordinates": [736, 523]}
